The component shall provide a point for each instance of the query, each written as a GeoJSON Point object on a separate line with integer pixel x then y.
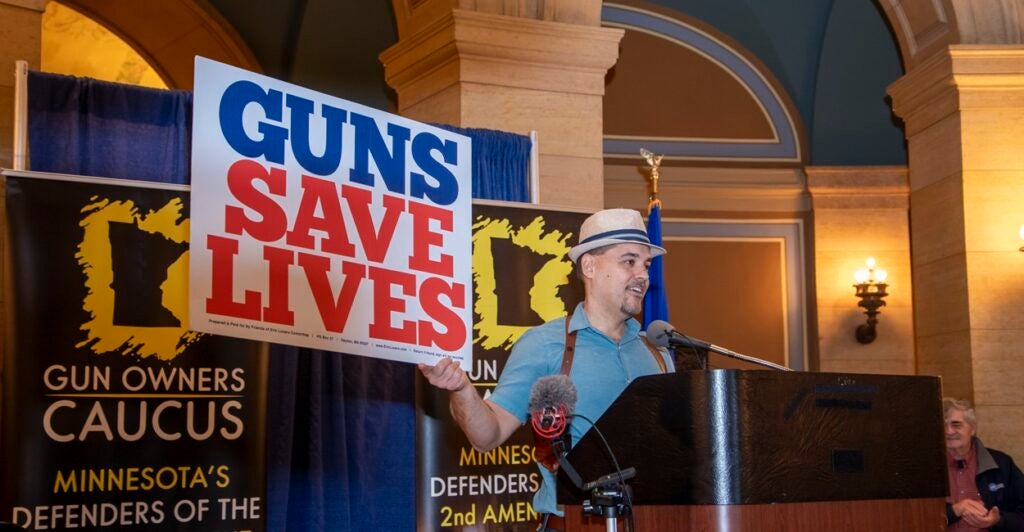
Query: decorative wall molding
{"type": "Point", "coordinates": [785, 145]}
{"type": "Point", "coordinates": [789, 235]}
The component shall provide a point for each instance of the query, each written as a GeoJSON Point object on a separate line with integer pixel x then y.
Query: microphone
{"type": "Point", "coordinates": [663, 334]}
{"type": "Point", "coordinates": [552, 403]}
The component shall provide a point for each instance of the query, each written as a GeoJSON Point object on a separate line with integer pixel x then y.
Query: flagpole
{"type": "Point", "coordinates": [656, 300]}
{"type": "Point", "coordinates": [653, 162]}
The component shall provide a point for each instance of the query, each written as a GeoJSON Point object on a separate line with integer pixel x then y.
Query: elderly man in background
{"type": "Point", "coordinates": [986, 486]}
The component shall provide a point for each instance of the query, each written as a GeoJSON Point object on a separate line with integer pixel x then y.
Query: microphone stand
{"type": "Point", "coordinates": [607, 493]}
{"type": "Point", "coordinates": [696, 344]}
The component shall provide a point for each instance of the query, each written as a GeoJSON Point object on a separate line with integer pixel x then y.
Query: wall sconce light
{"type": "Point", "coordinates": [871, 291]}
{"type": "Point", "coordinates": [1022, 236]}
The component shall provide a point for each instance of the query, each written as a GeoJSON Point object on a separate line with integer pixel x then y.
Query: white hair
{"type": "Point", "coordinates": [963, 405]}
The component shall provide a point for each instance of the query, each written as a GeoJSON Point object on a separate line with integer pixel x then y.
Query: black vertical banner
{"type": "Point", "coordinates": [114, 414]}
{"type": "Point", "coordinates": [522, 277]}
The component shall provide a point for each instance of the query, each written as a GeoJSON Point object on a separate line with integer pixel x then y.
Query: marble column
{"type": "Point", "coordinates": [964, 113]}
{"type": "Point", "coordinates": [512, 66]}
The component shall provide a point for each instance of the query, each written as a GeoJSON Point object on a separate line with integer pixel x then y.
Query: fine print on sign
{"type": "Point", "coordinates": [322, 223]}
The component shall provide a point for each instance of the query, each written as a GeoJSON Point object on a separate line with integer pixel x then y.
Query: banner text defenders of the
{"type": "Point", "coordinates": [322, 223]}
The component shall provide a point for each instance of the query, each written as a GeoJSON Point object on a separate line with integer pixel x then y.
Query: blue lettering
{"type": "Point", "coordinates": [302, 111]}
{"type": "Point", "coordinates": [236, 98]}
{"type": "Point", "coordinates": [369, 142]}
{"type": "Point", "coordinates": [447, 189]}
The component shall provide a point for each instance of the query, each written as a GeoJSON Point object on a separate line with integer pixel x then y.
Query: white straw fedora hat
{"type": "Point", "coordinates": [613, 226]}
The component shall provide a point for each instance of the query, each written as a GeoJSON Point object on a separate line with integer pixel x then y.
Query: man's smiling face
{"type": "Point", "coordinates": [619, 275]}
{"type": "Point", "coordinates": [958, 432]}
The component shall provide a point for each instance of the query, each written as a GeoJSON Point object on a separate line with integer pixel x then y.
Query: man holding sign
{"type": "Point", "coordinates": [612, 258]}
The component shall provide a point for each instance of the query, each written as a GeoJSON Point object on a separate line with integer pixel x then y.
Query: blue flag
{"type": "Point", "coordinates": [656, 301]}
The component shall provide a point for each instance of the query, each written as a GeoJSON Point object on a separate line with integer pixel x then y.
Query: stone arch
{"type": "Point", "coordinates": [923, 27]}
{"type": "Point", "coordinates": [168, 34]}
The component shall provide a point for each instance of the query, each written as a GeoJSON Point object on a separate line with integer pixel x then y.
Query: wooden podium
{"type": "Point", "coordinates": [768, 450]}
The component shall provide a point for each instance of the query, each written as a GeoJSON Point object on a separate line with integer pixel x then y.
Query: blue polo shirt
{"type": "Point", "coordinates": [601, 370]}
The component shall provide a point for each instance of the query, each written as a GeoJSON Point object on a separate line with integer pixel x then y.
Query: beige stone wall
{"type": "Point", "coordinates": [740, 190]}
{"type": "Point", "coordinates": [861, 212]}
{"type": "Point", "coordinates": [413, 15]}
{"type": "Point", "coordinates": [479, 69]}
{"type": "Point", "coordinates": [964, 114]}
{"type": "Point", "coordinates": [20, 39]}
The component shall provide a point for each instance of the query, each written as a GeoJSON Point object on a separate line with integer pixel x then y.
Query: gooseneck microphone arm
{"type": "Point", "coordinates": [558, 446]}
{"type": "Point", "coordinates": [745, 358]}
{"type": "Point", "coordinates": [662, 334]}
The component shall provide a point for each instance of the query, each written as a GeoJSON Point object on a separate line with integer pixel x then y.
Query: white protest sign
{"type": "Point", "coordinates": [322, 223]}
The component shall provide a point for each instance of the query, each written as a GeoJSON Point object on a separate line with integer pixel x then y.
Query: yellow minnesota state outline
{"type": "Point", "coordinates": [546, 282]}
{"type": "Point", "coordinates": [94, 256]}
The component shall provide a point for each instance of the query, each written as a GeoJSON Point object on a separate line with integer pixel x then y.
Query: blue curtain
{"type": "Point", "coordinates": [340, 433]}
{"type": "Point", "coordinates": [340, 429]}
{"type": "Point", "coordinates": [88, 127]}
{"type": "Point", "coordinates": [500, 163]}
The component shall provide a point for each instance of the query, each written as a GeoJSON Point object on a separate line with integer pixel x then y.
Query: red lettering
{"type": "Point", "coordinates": [222, 278]}
{"type": "Point", "coordinates": [320, 193]}
{"type": "Point", "coordinates": [384, 304]}
{"type": "Point", "coordinates": [424, 239]}
{"type": "Point", "coordinates": [375, 242]}
{"type": "Point", "coordinates": [333, 311]}
{"type": "Point", "coordinates": [277, 310]}
{"type": "Point", "coordinates": [241, 180]}
{"type": "Point", "coordinates": [455, 329]}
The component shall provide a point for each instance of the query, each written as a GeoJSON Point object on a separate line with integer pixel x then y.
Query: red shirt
{"type": "Point", "coordinates": [962, 485]}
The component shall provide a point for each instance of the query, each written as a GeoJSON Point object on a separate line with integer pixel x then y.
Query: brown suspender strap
{"type": "Point", "coordinates": [570, 347]}
{"type": "Point", "coordinates": [657, 354]}
{"type": "Point", "coordinates": [570, 350]}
